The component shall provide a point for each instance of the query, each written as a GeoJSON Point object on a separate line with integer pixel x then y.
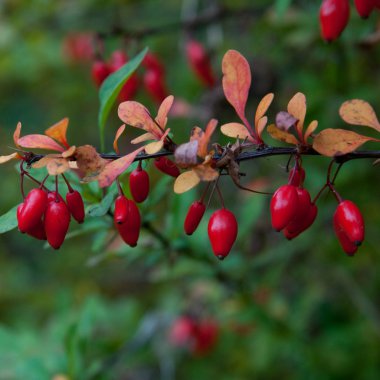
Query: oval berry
{"type": "Point", "coordinates": [33, 208]}
{"type": "Point", "coordinates": [155, 85]}
{"type": "Point", "coordinates": [364, 7]}
{"type": "Point", "coordinates": [99, 72]}
{"type": "Point", "coordinates": [56, 222]}
{"type": "Point", "coordinates": [152, 62]}
{"type": "Point", "coordinates": [333, 16]}
{"type": "Point", "coordinates": [121, 210]}
{"type": "Point", "coordinates": [76, 206]}
{"type": "Point", "coordinates": [194, 216]}
{"type": "Point", "coordinates": [166, 166]}
{"type": "Point", "coordinates": [349, 218]}
{"type": "Point", "coordinates": [296, 227]}
{"type": "Point", "coordinates": [347, 245]}
{"type": "Point", "coordinates": [139, 184]}
{"type": "Point", "coordinates": [129, 230]}
{"type": "Point", "coordinates": [283, 206]}
{"type": "Point", "coordinates": [222, 232]}
{"type": "Point", "coordinates": [38, 231]}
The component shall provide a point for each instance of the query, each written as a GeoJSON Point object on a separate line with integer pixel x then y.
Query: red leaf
{"type": "Point", "coordinates": [39, 142]}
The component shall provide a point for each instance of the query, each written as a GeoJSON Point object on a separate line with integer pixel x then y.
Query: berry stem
{"type": "Point", "coordinates": [67, 183]}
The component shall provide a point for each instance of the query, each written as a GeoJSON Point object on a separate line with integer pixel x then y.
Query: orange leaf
{"type": "Point", "coordinates": [297, 108]}
{"type": "Point", "coordinates": [136, 115]}
{"type": "Point", "coordinates": [236, 80]}
{"type": "Point", "coordinates": [119, 132]}
{"type": "Point", "coordinates": [311, 129]}
{"type": "Point", "coordinates": [280, 135]}
{"type": "Point", "coordinates": [69, 152]}
{"type": "Point", "coordinates": [163, 111]}
{"type": "Point", "coordinates": [54, 163]}
{"type": "Point", "coordinates": [4, 159]}
{"type": "Point", "coordinates": [359, 112]}
{"type": "Point", "coordinates": [263, 106]}
{"type": "Point", "coordinates": [335, 142]}
{"type": "Point", "coordinates": [16, 133]}
{"type": "Point", "coordinates": [210, 129]}
{"type": "Point", "coordinates": [88, 160]}
{"type": "Point", "coordinates": [39, 142]}
{"type": "Point", "coordinates": [205, 172]}
{"type": "Point", "coordinates": [236, 130]}
{"type": "Point", "coordinates": [186, 181]}
{"type": "Point", "coordinates": [145, 137]}
{"type": "Point", "coordinates": [156, 146]}
{"type": "Point", "coordinates": [261, 125]}
{"type": "Point", "coordinates": [117, 167]}
{"type": "Point", "coordinates": [58, 132]}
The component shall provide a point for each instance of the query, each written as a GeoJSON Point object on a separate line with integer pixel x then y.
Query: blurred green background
{"type": "Point", "coordinates": [97, 309]}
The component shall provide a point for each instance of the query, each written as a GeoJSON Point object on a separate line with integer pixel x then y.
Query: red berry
{"type": "Point", "coordinates": [182, 332]}
{"type": "Point", "coordinates": [139, 184]}
{"type": "Point", "coordinates": [194, 216]}
{"type": "Point", "coordinates": [76, 206]}
{"type": "Point", "coordinates": [38, 231]}
{"type": "Point", "coordinates": [53, 196]}
{"type": "Point", "coordinates": [56, 221]}
{"type": "Point", "coordinates": [151, 62]}
{"type": "Point", "coordinates": [121, 210]}
{"type": "Point", "coordinates": [364, 7]}
{"type": "Point", "coordinates": [377, 4]}
{"type": "Point", "coordinates": [222, 232]}
{"type": "Point", "coordinates": [333, 16]}
{"type": "Point", "coordinates": [296, 177]}
{"type": "Point", "coordinates": [100, 71]}
{"type": "Point", "coordinates": [206, 335]}
{"type": "Point", "coordinates": [296, 227]}
{"type": "Point", "coordinates": [200, 62]}
{"type": "Point", "coordinates": [129, 230]}
{"type": "Point", "coordinates": [166, 166]}
{"type": "Point", "coordinates": [283, 206]}
{"type": "Point", "coordinates": [155, 85]}
{"type": "Point", "coordinates": [350, 220]}
{"type": "Point", "coordinates": [32, 210]}
{"type": "Point", "coordinates": [347, 245]}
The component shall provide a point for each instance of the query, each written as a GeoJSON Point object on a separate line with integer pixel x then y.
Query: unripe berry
{"type": "Point", "coordinates": [333, 16]}
{"type": "Point", "coordinates": [364, 7]}
{"type": "Point", "coordinates": [129, 230]}
{"type": "Point", "coordinates": [296, 177]}
{"type": "Point", "coordinates": [100, 72]}
{"type": "Point", "coordinates": [347, 245]}
{"type": "Point", "coordinates": [139, 184]}
{"type": "Point", "coordinates": [194, 216]}
{"type": "Point", "coordinates": [56, 222]}
{"type": "Point", "coordinates": [166, 166]}
{"type": "Point", "coordinates": [350, 220]}
{"type": "Point", "coordinates": [283, 206]}
{"type": "Point", "coordinates": [76, 206]}
{"type": "Point", "coordinates": [222, 232]}
{"type": "Point", "coordinates": [155, 85]}
{"type": "Point", "coordinates": [200, 62]}
{"type": "Point", "coordinates": [32, 210]}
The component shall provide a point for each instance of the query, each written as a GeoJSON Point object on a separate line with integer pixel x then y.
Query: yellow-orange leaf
{"type": "Point", "coordinates": [280, 135]}
{"type": "Point", "coordinates": [39, 142]}
{"type": "Point", "coordinates": [311, 129]}
{"type": "Point", "coordinates": [335, 142]}
{"type": "Point", "coordinates": [117, 167]}
{"type": "Point", "coordinates": [297, 108]}
{"type": "Point", "coordinates": [136, 115]}
{"type": "Point", "coordinates": [55, 164]}
{"type": "Point", "coordinates": [185, 181]}
{"type": "Point", "coordinates": [4, 159]}
{"type": "Point", "coordinates": [236, 80]}
{"type": "Point", "coordinates": [261, 125]}
{"type": "Point", "coordinates": [154, 147]}
{"type": "Point", "coordinates": [263, 106]}
{"type": "Point", "coordinates": [359, 112]}
{"type": "Point", "coordinates": [17, 133]}
{"type": "Point", "coordinates": [119, 132]}
{"type": "Point", "coordinates": [210, 129]}
{"type": "Point", "coordinates": [69, 152]}
{"type": "Point", "coordinates": [58, 132]}
{"type": "Point", "coordinates": [205, 172]}
{"type": "Point", "coordinates": [236, 130]}
{"type": "Point", "coordinates": [163, 111]}
{"type": "Point", "coordinates": [142, 138]}
{"type": "Point", "coordinates": [89, 160]}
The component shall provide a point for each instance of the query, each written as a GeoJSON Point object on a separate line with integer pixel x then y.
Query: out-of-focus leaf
{"type": "Point", "coordinates": [111, 87]}
{"type": "Point", "coordinates": [8, 221]}
{"type": "Point", "coordinates": [335, 142]}
{"type": "Point", "coordinates": [359, 112]}
{"type": "Point", "coordinates": [58, 132]}
{"type": "Point", "coordinates": [143, 138]}
{"type": "Point", "coordinates": [185, 181]}
{"type": "Point", "coordinates": [280, 135]}
{"type": "Point", "coordinates": [17, 133]}
{"type": "Point", "coordinates": [4, 159]}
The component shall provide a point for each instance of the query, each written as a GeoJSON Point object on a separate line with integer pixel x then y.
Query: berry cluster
{"type": "Point", "coordinates": [334, 15]}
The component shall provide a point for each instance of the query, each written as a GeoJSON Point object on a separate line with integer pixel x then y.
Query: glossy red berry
{"type": "Point", "coordinates": [350, 220]}
{"type": "Point", "coordinates": [121, 210]}
{"type": "Point", "coordinates": [296, 176]}
{"type": "Point", "coordinates": [194, 216]}
{"type": "Point", "coordinates": [347, 245]}
{"type": "Point", "coordinates": [56, 222]}
{"type": "Point", "coordinates": [139, 184]}
{"type": "Point", "coordinates": [333, 16]}
{"type": "Point", "coordinates": [364, 7]}
{"type": "Point", "coordinates": [166, 166]}
{"type": "Point", "coordinates": [32, 210]}
{"type": "Point", "coordinates": [100, 72]}
{"type": "Point", "coordinates": [296, 227]}
{"type": "Point", "coordinates": [155, 85]}
{"type": "Point", "coordinates": [53, 196]}
{"type": "Point", "coordinates": [129, 230]}
{"type": "Point", "coordinates": [199, 62]}
{"type": "Point", "coordinates": [76, 206]}
{"type": "Point", "coordinates": [38, 231]}
{"type": "Point", "coordinates": [222, 232]}
{"type": "Point", "coordinates": [151, 62]}
{"type": "Point", "coordinates": [283, 206]}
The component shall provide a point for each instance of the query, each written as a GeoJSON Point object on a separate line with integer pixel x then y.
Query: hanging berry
{"type": "Point", "coordinates": [166, 166]}
{"type": "Point", "coordinates": [76, 206]}
{"type": "Point", "coordinates": [283, 206]}
{"type": "Point", "coordinates": [364, 7]}
{"type": "Point", "coordinates": [194, 217]}
{"type": "Point", "coordinates": [333, 17]}
{"type": "Point", "coordinates": [139, 184]}
{"type": "Point", "coordinates": [99, 71]}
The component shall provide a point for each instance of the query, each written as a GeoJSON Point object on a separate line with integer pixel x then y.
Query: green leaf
{"type": "Point", "coordinates": [281, 7]}
{"type": "Point", "coordinates": [8, 221]}
{"type": "Point", "coordinates": [102, 208]}
{"type": "Point", "coordinates": [111, 87]}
